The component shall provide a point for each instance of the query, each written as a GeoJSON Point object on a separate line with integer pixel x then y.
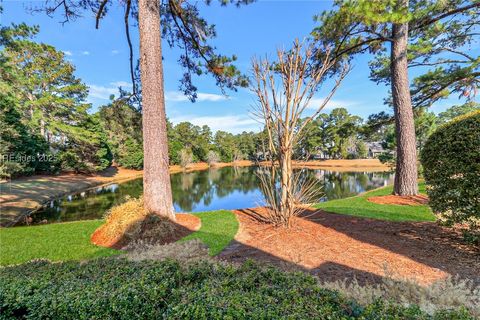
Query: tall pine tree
{"type": "Point", "coordinates": [433, 36]}
{"type": "Point", "coordinates": [180, 23]}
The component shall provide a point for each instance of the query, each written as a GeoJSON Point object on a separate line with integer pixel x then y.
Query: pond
{"type": "Point", "coordinates": [213, 189]}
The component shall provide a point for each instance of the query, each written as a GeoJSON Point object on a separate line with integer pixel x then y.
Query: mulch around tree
{"type": "Point", "coordinates": [338, 247]}
{"type": "Point", "coordinates": [184, 225]}
{"type": "Point", "coordinates": [400, 200]}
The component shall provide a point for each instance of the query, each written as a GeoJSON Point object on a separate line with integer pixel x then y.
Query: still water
{"type": "Point", "coordinates": [222, 188]}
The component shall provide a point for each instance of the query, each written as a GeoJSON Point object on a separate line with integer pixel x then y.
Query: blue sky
{"type": "Point", "coordinates": [101, 58]}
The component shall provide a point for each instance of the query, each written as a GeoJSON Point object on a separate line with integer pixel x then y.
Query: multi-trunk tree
{"type": "Point", "coordinates": [179, 23]}
{"type": "Point", "coordinates": [284, 89]}
{"type": "Point", "coordinates": [432, 36]}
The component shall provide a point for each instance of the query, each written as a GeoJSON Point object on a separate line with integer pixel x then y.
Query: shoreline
{"type": "Point", "coordinates": [27, 194]}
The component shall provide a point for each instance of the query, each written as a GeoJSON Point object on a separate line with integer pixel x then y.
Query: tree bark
{"type": "Point", "coordinates": [157, 192]}
{"type": "Point", "coordinates": [406, 167]}
{"type": "Point", "coordinates": [286, 198]}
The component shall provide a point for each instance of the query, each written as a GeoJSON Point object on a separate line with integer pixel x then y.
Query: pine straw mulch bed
{"type": "Point", "coordinates": [400, 200]}
{"type": "Point", "coordinates": [337, 247]}
{"type": "Point", "coordinates": [149, 230]}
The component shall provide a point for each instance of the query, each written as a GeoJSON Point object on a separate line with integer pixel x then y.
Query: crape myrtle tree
{"type": "Point", "coordinates": [180, 24]}
{"type": "Point", "coordinates": [284, 89]}
{"type": "Point", "coordinates": [432, 36]}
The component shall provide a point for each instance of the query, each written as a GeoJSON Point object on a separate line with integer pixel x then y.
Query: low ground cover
{"type": "Point", "coordinates": [121, 289]}
{"type": "Point", "coordinates": [360, 206]}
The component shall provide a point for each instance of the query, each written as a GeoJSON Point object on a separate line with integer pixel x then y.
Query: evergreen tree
{"type": "Point", "coordinates": [122, 124]}
{"type": "Point", "coordinates": [456, 111]}
{"type": "Point", "coordinates": [48, 101]}
{"type": "Point", "coordinates": [433, 35]}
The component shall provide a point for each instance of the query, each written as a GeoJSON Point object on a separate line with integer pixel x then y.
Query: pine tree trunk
{"type": "Point", "coordinates": [406, 168]}
{"type": "Point", "coordinates": [157, 193]}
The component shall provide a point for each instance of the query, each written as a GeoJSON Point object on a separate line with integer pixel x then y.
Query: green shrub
{"type": "Point", "coordinates": [121, 289]}
{"type": "Point", "coordinates": [451, 165]}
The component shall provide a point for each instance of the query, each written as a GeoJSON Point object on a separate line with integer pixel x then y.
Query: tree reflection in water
{"type": "Point", "coordinates": [213, 189]}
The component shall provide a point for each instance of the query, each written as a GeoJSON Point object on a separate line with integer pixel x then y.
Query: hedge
{"type": "Point", "coordinates": [451, 163]}
{"type": "Point", "coordinates": [115, 288]}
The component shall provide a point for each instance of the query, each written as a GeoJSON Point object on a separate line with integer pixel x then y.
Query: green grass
{"type": "Point", "coordinates": [360, 207]}
{"type": "Point", "coordinates": [56, 242]}
{"type": "Point", "coordinates": [217, 230]}
{"type": "Point", "coordinates": [71, 240]}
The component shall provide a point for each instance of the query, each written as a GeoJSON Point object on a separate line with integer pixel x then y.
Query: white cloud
{"type": "Point", "coordinates": [68, 53]}
{"type": "Point", "coordinates": [104, 92]}
{"type": "Point", "coordinates": [233, 124]}
{"type": "Point", "coordinates": [114, 52]}
{"type": "Point", "coordinates": [121, 84]}
{"type": "Point", "coordinates": [85, 53]}
{"type": "Point", "coordinates": [333, 103]}
{"type": "Point", "coordinates": [177, 96]}
{"type": "Point", "coordinates": [101, 92]}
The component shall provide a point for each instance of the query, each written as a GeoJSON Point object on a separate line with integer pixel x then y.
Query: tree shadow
{"type": "Point", "coordinates": [151, 229]}
{"type": "Point", "coordinates": [238, 252]}
{"type": "Point", "coordinates": [425, 242]}
{"type": "Point", "coordinates": [108, 172]}
{"type": "Point", "coordinates": [346, 247]}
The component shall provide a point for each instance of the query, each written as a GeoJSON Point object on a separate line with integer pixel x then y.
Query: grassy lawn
{"type": "Point", "coordinates": [59, 241]}
{"type": "Point", "coordinates": [217, 230]}
{"type": "Point", "coordinates": [71, 240]}
{"type": "Point", "coordinates": [361, 207]}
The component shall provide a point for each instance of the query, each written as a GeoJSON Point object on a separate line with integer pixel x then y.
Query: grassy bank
{"type": "Point", "coordinates": [71, 241]}
{"type": "Point", "coordinates": [359, 206]}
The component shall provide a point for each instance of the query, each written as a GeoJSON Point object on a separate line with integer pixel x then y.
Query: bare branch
{"type": "Point", "coordinates": [130, 47]}
{"type": "Point", "coordinates": [100, 13]}
{"type": "Point", "coordinates": [429, 21]}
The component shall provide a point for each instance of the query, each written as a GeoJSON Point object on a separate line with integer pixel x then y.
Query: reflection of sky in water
{"type": "Point", "coordinates": [235, 200]}
{"type": "Point", "coordinates": [222, 188]}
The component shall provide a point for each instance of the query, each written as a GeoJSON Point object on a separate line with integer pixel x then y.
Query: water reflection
{"type": "Point", "coordinates": [222, 188]}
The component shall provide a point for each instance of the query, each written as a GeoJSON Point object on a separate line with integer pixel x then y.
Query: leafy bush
{"type": "Point", "coordinates": [121, 289]}
{"type": "Point", "coordinates": [451, 164]}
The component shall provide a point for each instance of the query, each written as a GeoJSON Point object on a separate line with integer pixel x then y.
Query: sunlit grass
{"type": "Point", "coordinates": [217, 230]}
{"type": "Point", "coordinates": [359, 206]}
{"type": "Point", "coordinates": [56, 242]}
